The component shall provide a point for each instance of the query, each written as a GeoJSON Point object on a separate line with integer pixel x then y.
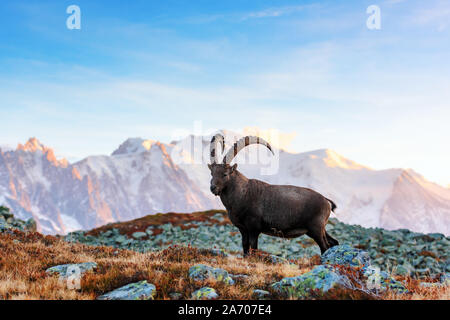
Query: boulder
{"type": "Point", "coordinates": [31, 225]}
{"type": "Point", "coordinates": [261, 294]}
{"type": "Point", "coordinates": [377, 280]}
{"type": "Point", "coordinates": [175, 296]}
{"type": "Point", "coordinates": [215, 252]}
{"type": "Point", "coordinates": [445, 279]}
{"type": "Point", "coordinates": [4, 226]}
{"type": "Point", "coordinates": [431, 285]}
{"type": "Point", "coordinates": [120, 239]}
{"type": "Point", "coordinates": [345, 255]}
{"type": "Point", "coordinates": [66, 270]}
{"type": "Point", "coordinates": [133, 291]}
{"type": "Point", "coordinates": [404, 269]}
{"type": "Point", "coordinates": [219, 217]}
{"type": "Point", "coordinates": [320, 280]}
{"type": "Point", "coordinates": [139, 235]}
{"type": "Point", "coordinates": [7, 215]}
{"type": "Point", "coordinates": [202, 272]}
{"type": "Point", "coordinates": [277, 260]}
{"type": "Point", "coordinates": [205, 293]}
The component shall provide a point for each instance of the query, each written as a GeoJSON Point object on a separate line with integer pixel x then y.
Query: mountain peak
{"type": "Point", "coordinates": [333, 159]}
{"type": "Point", "coordinates": [134, 145]}
{"type": "Point", "coordinates": [32, 145]}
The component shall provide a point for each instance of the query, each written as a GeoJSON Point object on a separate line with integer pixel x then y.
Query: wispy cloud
{"type": "Point", "coordinates": [276, 12]}
{"type": "Point", "coordinates": [270, 12]}
{"type": "Point", "coordinates": [438, 15]}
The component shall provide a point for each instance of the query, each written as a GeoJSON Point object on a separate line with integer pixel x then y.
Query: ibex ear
{"type": "Point", "coordinates": [209, 166]}
{"type": "Point", "coordinates": [233, 168]}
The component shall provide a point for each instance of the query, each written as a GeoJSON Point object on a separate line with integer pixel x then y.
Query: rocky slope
{"type": "Point", "coordinates": [173, 259]}
{"type": "Point", "coordinates": [144, 177]}
{"type": "Point", "coordinates": [401, 252]}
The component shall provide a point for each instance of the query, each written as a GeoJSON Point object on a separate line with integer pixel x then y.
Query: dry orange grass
{"type": "Point", "coordinates": [25, 257]}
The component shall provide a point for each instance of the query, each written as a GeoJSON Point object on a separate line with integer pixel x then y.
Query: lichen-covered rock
{"type": "Point", "coordinates": [205, 293]}
{"type": "Point", "coordinates": [445, 279]}
{"type": "Point", "coordinates": [215, 252]}
{"type": "Point", "coordinates": [431, 285]}
{"type": "Point", "coordinates": [380, 280]}
{"type": "Point", "coordinates": [346, 255]}
{"type": "Point", "coordinates": [203, 272]}
{"type": "Point", "coordinates": [6, 213]}
{"type": "Point", "coordinates": [320, 280]}
{"type": "Point", "coordinates": [31, 225]}
{"type": "Point", "coordinates": [175, 296]}
{"type": "Point", "coordinates": [134, 291]}
{"type": "Point", "coordinates": [277, 260]}
{"type": "Point", "coordinates": [404, 269]}
{"type": "Point", "coordinates": [139, 235]}
{"type": "Point", "coordinates": [66, 270]}
{"type": "Point", "coordinates": [219, 217]}
{"type": "Point", "coordinates": [261, 294]}
{"type": "Point", "coordinates": [4, 226]}
{"type": "Point", "coordinates": [218, 252]}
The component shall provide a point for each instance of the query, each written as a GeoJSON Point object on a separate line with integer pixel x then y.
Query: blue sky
{"type": "Point", "coordinates": [151, 68]}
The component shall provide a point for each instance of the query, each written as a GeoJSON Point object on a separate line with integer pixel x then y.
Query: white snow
{"type": "Point", "coordinates": [70, 223]}
{"type": "Point", "coordinates": [134, 145]}
{"type": "Point", "coordinates": [145, 176]}
{"type": "Point", "coordinates": [6, 148]}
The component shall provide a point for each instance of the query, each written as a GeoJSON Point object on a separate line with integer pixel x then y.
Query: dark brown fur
{"type": "Point", "coordinates": [256, 207]}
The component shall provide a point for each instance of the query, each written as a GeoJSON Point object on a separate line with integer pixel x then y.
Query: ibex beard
{"type": "Point", "coordinates": [256, 207]}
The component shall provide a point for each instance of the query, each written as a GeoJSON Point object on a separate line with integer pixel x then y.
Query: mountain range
{"type": "Point", "coordinates": [143, 177]}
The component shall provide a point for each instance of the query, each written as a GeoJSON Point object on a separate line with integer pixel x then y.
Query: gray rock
{"type": "Point", "coordinates": [404, 269]}
{"type": "Point", "coordinates": [31, 225]}
{"type": "Point", "coordinates": [175, 296]}
{"type": "Point", "coordinates": [66, 270]}
{"type": "Point", "coordinates": [4, 226]}
{"type": "Point", "coordinates": [276, 259]}
{"type": "Point", "coordinates": [345, 255]}
{"type": "Point", "coordinates": [139, 235]}
{"type": "Point", "coordinates": [8, 215]}
{"type": "Point", "coordinates": [445, 279]}
{"type": "Point", "coordinates": [431, 285]}
{"type": "Point", "coordinates": [205, 293]}
{"type": "Point", "coordinates": [436, 236]}
{"type": "Point", "coordinates": [261, 294]}
{"type": "Point", "coordinates": [215, 252]}
{"type": "Point", "coordinates": [201, 272]}
{"type": "Point", "coordinates": [320, 279]}
{"type": "Point", "coordinates": [134, 291]}
{"type": "Point", "coordinates": [120, 239]}
{"type": "Point", "coordinates": [218, 216]}
{"type": "Point", "coordinates": [377, 280]}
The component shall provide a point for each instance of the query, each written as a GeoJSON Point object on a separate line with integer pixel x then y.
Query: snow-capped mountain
{"type": "Point", "coordinates": [390, 199]}
{"type": "Point", "coordinates": [63, 197]}
{"type": "Point", "coordinates": [144, 176]}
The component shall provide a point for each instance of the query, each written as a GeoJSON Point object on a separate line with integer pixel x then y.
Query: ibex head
{"type": "Point", "coordinates": [223, 172]}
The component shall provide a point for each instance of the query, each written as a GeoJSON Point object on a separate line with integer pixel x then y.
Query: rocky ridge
{"type": "Point", "coordinates": [401, 252]}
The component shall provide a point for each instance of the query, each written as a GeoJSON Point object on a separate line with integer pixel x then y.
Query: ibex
{"type": "Point", "coordinates": [256, 207]}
